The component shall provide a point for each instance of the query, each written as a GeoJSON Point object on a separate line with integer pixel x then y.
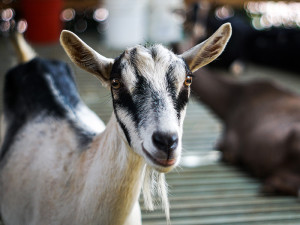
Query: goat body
{"type": "Point", "coordinates": [61, 165]}
{"type": "Point", "coordinates": [65, 167]}
{"type": "Point", "coordinates": [262, 127]}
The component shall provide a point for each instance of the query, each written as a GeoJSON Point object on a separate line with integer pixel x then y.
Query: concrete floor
{"type": "Point", "coordinates": [202, 190]}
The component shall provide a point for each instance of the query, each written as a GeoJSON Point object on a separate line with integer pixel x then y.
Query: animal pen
{"type": "Point", "coordinates": [203, 190]}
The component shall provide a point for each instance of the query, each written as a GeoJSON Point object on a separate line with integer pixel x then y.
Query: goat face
{"type": "Point", "coordinates": [149, 96]}
{"type": "Point", "coordinates": [150, 90]}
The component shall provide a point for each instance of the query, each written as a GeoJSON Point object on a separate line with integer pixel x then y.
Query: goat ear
{"type": "Point", "coordinates": [209, 50]}
{"type": "Point", "coordinates": [85, 57]}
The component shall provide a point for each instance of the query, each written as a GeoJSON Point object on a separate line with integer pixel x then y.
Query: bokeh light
{"type": "Point", "coordinates": [7, 14]}
{"type": "Point", "coordinates": [274, 14]}
{"type": "Point", "coordinates": [22, 26]}
{"type": "Point", "coordinates": [100, 14]}
{"type": "Point", "coordinates": [67, 15]}
{"type": "Point", "coordinates": [4, 26]}
{"type": "Point", "coordinates": [224, 12]}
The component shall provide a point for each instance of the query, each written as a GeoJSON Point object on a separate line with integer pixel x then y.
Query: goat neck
{"type": "Point", "coordinates": [121, 173]}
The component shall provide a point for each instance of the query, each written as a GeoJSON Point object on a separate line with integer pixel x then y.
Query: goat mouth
{"type": "Point", "coordinates": [160, 162]}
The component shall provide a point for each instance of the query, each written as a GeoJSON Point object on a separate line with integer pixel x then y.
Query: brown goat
{"type": "Point", "coordinates": [261, 127]}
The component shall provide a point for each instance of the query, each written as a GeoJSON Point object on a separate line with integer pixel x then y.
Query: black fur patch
{"type": "Point", "coordinates": [154, 53]}
{"type": "Point", "coordinates": [117, 68]}
{"type": "Point", "coordinates": [124, 99]}
{"type": "Point", "coordinates": [125, 130]}
{"type": "Point", "coordinates": [181, 100]}
{"type": "Point", "coordinates": [28, 93]}
{"type": "Point", "coordinates": [133, 61]}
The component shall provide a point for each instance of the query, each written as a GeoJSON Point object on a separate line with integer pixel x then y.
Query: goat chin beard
{"type": "Point", "coordinates": [155, 185]}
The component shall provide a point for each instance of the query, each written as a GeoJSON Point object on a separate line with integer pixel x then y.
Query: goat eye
{"type": "Point", "coordinates": [188, 80]}
{"type": "Point", "coordinates": [115, 84]}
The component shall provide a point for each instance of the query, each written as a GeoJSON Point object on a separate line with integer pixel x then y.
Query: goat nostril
{"type": "Point", "coordinates": [165, 141]}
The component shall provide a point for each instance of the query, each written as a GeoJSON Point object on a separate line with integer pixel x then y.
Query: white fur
{"type": "Point", "coordinates": [83, 115]}
{"type": "Point", "coordinates": [68, 185]}
{"type": "Point", "coordinates": [89, 119]}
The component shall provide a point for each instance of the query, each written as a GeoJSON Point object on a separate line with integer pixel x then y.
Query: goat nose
{"type": "Point", "coordinates": [165, 141]}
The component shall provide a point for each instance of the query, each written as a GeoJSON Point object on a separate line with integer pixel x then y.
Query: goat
{"type": "Point", "coordinates": [261, 128]}
{"type": "Point", "coordinates": [59, 168]}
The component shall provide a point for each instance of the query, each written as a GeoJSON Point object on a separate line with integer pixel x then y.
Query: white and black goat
{"type": "Point", "coordinates": [60, 165]}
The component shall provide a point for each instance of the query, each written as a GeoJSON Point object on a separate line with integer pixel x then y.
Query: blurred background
{"type": "Point", "coordinates": [265, 44]}
{"type": "Point", "coordinates": [261, 28]}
